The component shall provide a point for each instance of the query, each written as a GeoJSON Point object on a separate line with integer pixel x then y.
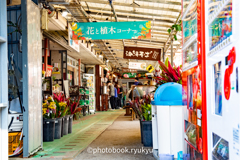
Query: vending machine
{"type": "Point", "coordinates": [193, 77]}
{"type": "Point", "coordinates": [222, 25]}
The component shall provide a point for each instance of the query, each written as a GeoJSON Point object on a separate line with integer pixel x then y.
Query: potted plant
{"type": "Point", "coordinates": [168, 73]}
{"type": "Point", "coordinates": [61, 111]}
{"type": "Point", "coordinates": [73, 109]}
{"type": "Point", "coordinates": [49, 113]}
{"type": "Point", "coordinates": [146, 121]}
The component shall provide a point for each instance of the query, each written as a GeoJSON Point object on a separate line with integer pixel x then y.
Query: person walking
{"type": "Point", "coordinates": [111, 94]}
{"type": "Point", "coordinates": [133, 94]}
{"type": "Point", "coordinates": [120, 93]}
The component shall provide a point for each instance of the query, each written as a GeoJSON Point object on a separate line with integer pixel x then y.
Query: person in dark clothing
{"type": "Point", "coordinates": [137, 82]}
{"type": "Point", "coordinates": [116, 98]}
{"type": "Point", "coordinates": [120, 92]}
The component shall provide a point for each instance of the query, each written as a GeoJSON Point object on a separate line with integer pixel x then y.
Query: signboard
{"type": "Point", "coordinates": [127, 70]}
{"type": "Point", "coordinates": [142, 53]}
{"type": "Point", "coordinates": [137, 65]}
{"type": "Point", "coordinates": [129, 75]}
{"type": "Point", "coordinates": [73, 43]}
{"type": "Point", "coordinates": [48, 70]}
{"type": "Point", "coordinates": [111, 30]}
{"type": "Point", "coordinates": [150, 68]}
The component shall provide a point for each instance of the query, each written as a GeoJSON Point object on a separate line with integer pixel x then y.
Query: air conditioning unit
{"type": "Point", "coordinates": [57, 22]}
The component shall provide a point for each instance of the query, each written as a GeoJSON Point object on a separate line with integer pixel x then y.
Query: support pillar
{"type": "Point", "coordinates": [79, 72]}
{"type": "Point", "coordinates": [98, 87]}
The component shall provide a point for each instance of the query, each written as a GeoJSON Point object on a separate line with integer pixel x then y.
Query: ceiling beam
{"type": "Point", "coordinates": [121, 11]}
{"type": "Point", "coordinates": [161, 1]}
{"type": "Point", "coordinates": [129, 5]}
{"type": "Point", "coordinates": [133, 17]}
{"type": "Point", "coordinates": [109, 20]}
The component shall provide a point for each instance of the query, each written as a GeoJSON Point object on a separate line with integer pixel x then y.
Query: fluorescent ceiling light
{"type": "Point", "coordinates": [64, 13]}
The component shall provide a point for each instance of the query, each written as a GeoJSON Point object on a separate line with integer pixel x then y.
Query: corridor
{"type": "Point", "coordinates": [93, 134]}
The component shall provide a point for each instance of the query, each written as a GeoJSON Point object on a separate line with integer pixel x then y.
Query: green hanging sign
{"type": "Point", "coordinates": [129, 75]}
{"type": "Point", "coordinates": [111, 30]}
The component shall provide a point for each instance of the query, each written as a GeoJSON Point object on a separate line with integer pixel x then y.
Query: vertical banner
{"type": "Point", "coordinates": [111, 30]}
{"type": "Point", "coordinates": [72, 43]}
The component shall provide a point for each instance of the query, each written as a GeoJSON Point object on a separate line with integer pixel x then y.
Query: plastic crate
{"type": "Point", "coordinates": [13, 140]}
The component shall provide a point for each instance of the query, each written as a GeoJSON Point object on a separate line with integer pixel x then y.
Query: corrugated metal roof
{"type": "Point", "coordinates": [162, 13]}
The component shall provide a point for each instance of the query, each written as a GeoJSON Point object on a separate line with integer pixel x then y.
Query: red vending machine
{"type": "Point", "coordinates": [193, 82]}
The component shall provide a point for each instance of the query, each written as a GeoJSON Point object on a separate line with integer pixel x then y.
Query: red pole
{"type": "Point", "coordinates": [79, 72]}
{"type": "Point", "coordinates": [204, 89]}
{"type": "Point", "coordinates": [45, 53]}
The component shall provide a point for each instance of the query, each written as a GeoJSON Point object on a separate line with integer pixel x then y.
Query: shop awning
{"type": "Point", "coordinates": [85, 54]}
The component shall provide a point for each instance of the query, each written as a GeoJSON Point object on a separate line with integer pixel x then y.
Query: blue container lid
{"type": "Point", "coordinates": [168, 94]}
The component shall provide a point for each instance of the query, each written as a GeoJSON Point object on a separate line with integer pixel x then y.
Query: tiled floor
{"type": "Point", "coordinates": [84, 132]}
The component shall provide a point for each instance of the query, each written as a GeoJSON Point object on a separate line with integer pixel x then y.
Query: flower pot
{"type": "Point", "coordinates": [147, 133]}
{"type": "Point", "coordinates": [81, 90]}
{"type": "Point", "coordinates": [76, 116]}
{"type": "Point", "coordinates": [141, 130]}
{"type": "Point", "coordinates": [58, 128]}
{"type": "Point", "coordinates": [87, 101]}
{"type": "Point", "coordinates": [65, 125]}
{"type": "Point", "coordinates": [81, 102]}
{"type": "Point", "coordinates": [48, 130]}
{"type": "Point", "coordinates": [62, 128]}
{"type": "Point", "coordinates": [70, 124]}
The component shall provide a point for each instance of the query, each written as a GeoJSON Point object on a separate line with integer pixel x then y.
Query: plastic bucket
{"type": "Point", "coordinates": [48, 130]}
{"type": "Point", "coordinates": [87, 101]}
{"type": "Point", "coordinates": [65, 125]}
{"type": "Point", "coordinates": [141, 130]}
{"type": "Point", "coordinates": [82, 102]}
{"type": "Point", "coordinates": [58, 128]}
{"type": "Point", "coordinates": [166, 156]}
{"type": "Point", "coordinates": [87, 91]}
{"type": "Point", "coordinates": [62, 126]}
{"type": "Point", "coordinates": [70, 124]}
{"type": "Point", "coordinates": [81, 90]}
{"type": "Point", "coordinates": [147, 133]}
